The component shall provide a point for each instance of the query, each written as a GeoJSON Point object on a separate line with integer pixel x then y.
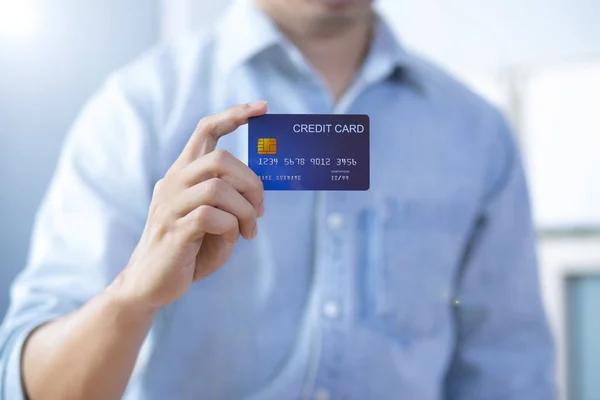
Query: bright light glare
{"type": "Point", "coordinates": [18, 19]}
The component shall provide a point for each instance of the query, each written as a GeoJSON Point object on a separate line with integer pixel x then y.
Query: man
{"type": "Point", "coordinates": [424, 287]}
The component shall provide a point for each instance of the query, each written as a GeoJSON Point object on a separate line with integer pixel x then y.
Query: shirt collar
{"type": "Point", "coordinates": [387, 56]}
{"type": "Point", "coordinates": [246, 31]}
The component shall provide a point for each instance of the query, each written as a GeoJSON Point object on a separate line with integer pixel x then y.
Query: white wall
{"type": "Point", "coordinates": [45, 78]}
{"type": "Point", "coordinates": [468, 35]}
{"type": "Point", "coordinates": [561, 122]}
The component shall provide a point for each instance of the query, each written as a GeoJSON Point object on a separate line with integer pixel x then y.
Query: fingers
{"type": "Point", "coordinates": [212, 191]}
{"type": "Point", "coordinates": [223, 165]}
{"type": "Point", "coordinates": [206, 219]}
{"type": "Point", "coordinates": [217, 193]}
{"type": "Point", "coordinates": [210, 129]}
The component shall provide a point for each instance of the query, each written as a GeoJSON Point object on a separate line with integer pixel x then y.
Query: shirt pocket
{"type": "Point", "coordinates": [409, 253]}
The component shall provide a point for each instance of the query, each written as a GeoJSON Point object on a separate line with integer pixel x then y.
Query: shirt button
{"type": "Point", "coordinates": [322, 394]}
{"type": "Point", "coordinates": [331, 309]}
{"type": "Point", "coordinates": [335, 221]}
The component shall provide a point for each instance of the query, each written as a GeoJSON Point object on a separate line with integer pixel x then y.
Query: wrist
{"type": "Point", "coordinates": [122, 296]}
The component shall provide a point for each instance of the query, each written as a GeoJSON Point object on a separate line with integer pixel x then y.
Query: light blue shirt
{"type": "Point", "coordinates": [424, 287]}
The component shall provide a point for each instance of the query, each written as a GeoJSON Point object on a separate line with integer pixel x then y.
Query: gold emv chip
{"type": "Point", "coordinates": [267, 146]}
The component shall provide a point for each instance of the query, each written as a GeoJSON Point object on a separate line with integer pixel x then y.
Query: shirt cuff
{"type": "Point", "coordinates": [12, 381]}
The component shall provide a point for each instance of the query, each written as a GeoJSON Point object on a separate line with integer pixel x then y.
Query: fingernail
{"type": "Point", "coordinates": [261, 209]}
{"type": "Point", "coordinates": [258, 104]}
{"type": "Point", "coordinates": [255, 231]}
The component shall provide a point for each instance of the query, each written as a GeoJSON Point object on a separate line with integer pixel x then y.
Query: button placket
{"type": "Point", "coordinates": [333, 297]}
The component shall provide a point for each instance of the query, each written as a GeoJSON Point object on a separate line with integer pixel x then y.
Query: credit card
{"type": "Point", "coordinates": [310, 151]}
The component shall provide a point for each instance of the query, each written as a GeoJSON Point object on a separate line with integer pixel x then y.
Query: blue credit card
{"type": "Point", "coordinates": [310, 151]}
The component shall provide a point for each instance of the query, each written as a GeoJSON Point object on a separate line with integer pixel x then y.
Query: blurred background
{"type": "Point", "coordinates": [538, 60]}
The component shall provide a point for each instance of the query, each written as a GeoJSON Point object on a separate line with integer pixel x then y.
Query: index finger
{"type": "Point", "coordinates": [211, 128]}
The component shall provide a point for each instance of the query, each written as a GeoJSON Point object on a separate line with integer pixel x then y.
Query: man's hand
{"type": "Point", "coordinates": [199, 209]}
{"type": "Point", "coordinates": [207, 199]}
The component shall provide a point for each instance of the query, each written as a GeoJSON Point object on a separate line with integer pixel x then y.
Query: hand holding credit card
{"type": "Point", "coordinates": [310, 151]}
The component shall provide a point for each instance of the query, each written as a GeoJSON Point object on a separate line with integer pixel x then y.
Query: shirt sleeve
{"type": "Point", "coordinates": [88, 224]}
{"type": "Point", "coordinates": [504, 349]}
